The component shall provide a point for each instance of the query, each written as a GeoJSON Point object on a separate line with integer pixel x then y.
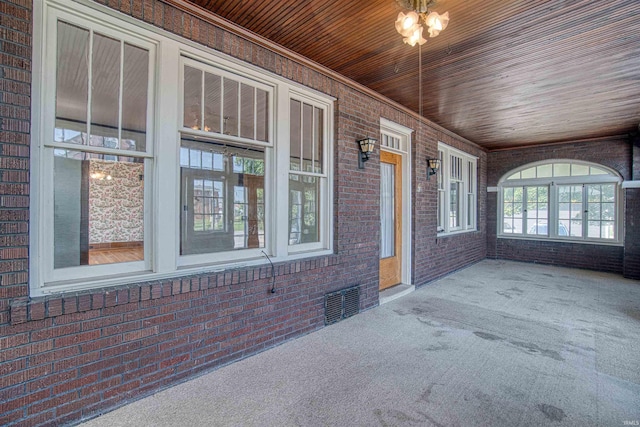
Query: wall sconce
{"type": "Point", "coordinates": [432, 167]}
{"type": "Point", "coordinates": [366, 147]}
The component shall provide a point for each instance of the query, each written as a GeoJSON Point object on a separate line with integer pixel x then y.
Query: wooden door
{"type": "Point", "coordinates": [390, 219]}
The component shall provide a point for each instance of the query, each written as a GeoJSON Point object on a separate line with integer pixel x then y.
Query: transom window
{"type": "Point", "coordinates": [564, 200]}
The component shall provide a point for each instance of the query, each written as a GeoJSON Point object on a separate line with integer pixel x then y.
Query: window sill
{"type": "Point", "coordinates": [456, 233]}
{"type": "Point", "coordinates": [561, 240]}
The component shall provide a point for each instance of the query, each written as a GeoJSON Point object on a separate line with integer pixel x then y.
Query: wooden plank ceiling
{"type": "Point", "coordinates": [503, 74]}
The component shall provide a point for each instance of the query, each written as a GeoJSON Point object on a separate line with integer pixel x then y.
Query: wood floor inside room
{"type": "Point", "coordinates": [115, 255]}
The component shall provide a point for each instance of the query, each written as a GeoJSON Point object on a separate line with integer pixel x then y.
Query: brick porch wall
{"type": "Point", "coordinates": [70, 356]}
{"type": "Point", "coordinates": [614, 153]}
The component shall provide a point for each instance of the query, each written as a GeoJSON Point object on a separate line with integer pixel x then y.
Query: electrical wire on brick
{"type": "Point", "coordinates": [273, 277]}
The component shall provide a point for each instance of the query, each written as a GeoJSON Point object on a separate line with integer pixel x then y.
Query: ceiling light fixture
{"type": "Point", "coordinates": [409, 26]}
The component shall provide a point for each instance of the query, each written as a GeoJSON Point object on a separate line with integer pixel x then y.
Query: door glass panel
{"type": "Point", "coordinates": [387, 210]}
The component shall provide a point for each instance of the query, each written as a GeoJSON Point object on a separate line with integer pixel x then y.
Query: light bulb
{"type": "Point", "coordinates": [406, 24]}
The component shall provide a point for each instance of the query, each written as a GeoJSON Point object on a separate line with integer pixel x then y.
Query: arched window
{"type": "Point", "coordinates": [561, 200]}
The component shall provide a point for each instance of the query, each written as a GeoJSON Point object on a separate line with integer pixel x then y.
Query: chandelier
{"type": "Point", "coordinates": [409, 24]}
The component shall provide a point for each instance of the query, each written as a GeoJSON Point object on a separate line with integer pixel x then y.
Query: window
{"type": "Point", "coordinates": [457, 197]}
{"type": "Point", "coordinates": [307, 180]}
{"type": "Point", "coordinates": [566, 200]}
{"type": "Point", "coordinates": [119, 197]}
{"type": "Point", "coordinates": [96, 151]}
{"type": "Point", "coordinates": [222, 197]}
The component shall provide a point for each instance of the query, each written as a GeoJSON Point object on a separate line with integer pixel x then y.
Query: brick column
{"type": "Point", "coordinates": [631, 267]}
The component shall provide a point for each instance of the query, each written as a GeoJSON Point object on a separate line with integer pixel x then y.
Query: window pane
{"type": "Point", "coordinates": [514, 176]}
{"type": "Point", "coordinates": [508, 194]}
{"type": "Point", "coordinates": [608, 193]}
{"type": "Point", "coordinates": [608, 211]}
{"type": "Point", "coordinates": [231, 89]}
{"type": "Point", "coordinates": [507, 225]}
{"type": "Point", "coordinates": [184, 156]}
{"type": "Point", "coordinates": [601, 211]}
{"type": "Point", "coordinates": [212, 102]}
{"type": "Point", "coordinates": [304, 209]}
{"type": "Point", "coordinates": [262, 115]}
{"type": "Point", "coordinates": [607, 230]}
{"type": "Point", "coordinates": [207, 160]}
{"type": "Point", "coordinates": [441, 202]}
{"type": "Point", "coordinates": [579, 170]}
{"type": "Point", "coordinates": [295, 134]}
{"type": "Point", "coordinates": [513, 210]}
{"type": "Point", "coordinates": [454, 205]}
{"type": "Point", "coordinates": [72, 83]}
{"type": "Point", "coordinates": [105, 92]}
{"type": "Point", "coordinates": [247, 105]}
{"type": "Point", "coordinates": [222, 198]}
{"type": "Point", "coordinates": [537, 210]}
{"type": "Point", "coordinates": [98, 209]}
{"type": "Point", "coordinates": [544, 171]}
{"type": "Point", "coordinates": [594, 194]}
{"type": "Point", "coordinates": [561, 169]}
{"type": "Point", "coordinates": [307, 137]}
{"type": "Point", "coordinates": [134, 98]}
{"type": "Point", "coordinates": [318, 139]}
{"type": "Point", "coordinates": [529, 173]}
{"type": "Point", "coordinates": [192, 98]}
{"type": "Point", "coordinates": [593, 229]}
{"type": "Point", "coordinates": [439, 174]}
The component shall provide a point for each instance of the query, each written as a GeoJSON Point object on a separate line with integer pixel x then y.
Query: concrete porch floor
{"type": "Point", "coordinates": [497, 344]}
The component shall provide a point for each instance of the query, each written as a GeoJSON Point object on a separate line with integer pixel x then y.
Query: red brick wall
{"type": "Point", "coordinates": [613, 152]}
{"type": "Point", "coordinates": [436, 256]}
{"type": "Point", "coordinates": [632, 218]}
{"type": "Point", "coordinates": [70, 356]}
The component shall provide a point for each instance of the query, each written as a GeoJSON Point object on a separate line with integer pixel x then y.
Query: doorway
{"type": "Point", "coordinates": [390, 219]}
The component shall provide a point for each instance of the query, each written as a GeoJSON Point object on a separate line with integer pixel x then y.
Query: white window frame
{"type": "Point", "coordinates": [162, 167]}
{"type": "Point", "coordinates": [207, 66]}
{"type": "Point", "coordinates": [468, 184]}
{"type": "Point", "coordinates": [553, 183]}
{"type": "Point", "coordinates": [44, 145]}
{"type": "Point", "coordinates": [325, 219]}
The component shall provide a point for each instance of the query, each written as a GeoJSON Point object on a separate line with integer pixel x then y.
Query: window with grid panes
{"type": "Point", "coordinates": [561, 199]}
{"type": "Point", "coordinates": [457, 197]}
{"type": "Point", "coordinates": [106, 209]}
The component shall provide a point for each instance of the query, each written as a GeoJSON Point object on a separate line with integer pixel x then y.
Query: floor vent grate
{"type": "Point", "coordinates": [341, 304]}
